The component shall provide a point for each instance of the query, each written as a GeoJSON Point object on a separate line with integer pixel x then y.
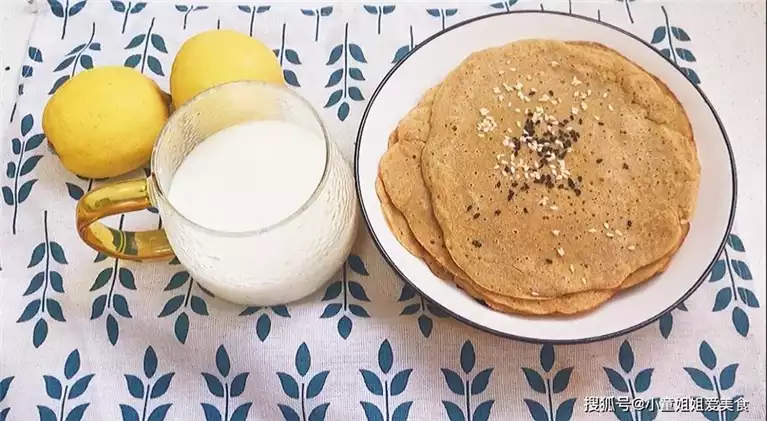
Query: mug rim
{"type": "Point", "coordinates": [157, 190]}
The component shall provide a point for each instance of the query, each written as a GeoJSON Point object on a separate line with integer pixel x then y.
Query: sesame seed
{"type": "Point", "coordinates": [533, 293]}
{"type": "Point", "coordinates": [496, 90]}
{"type": "Point", "coordinates": [574, 111]}
{"type": "Point", "coordinates": [513, 69]}
{"type": "Point", "coordinates": [517, 110]}
{"type": "Point", "coordinates": [610, 107]}
{"type": "Point", "coordinates": [519, 124]}
{"type": "Point", "coordinates": [500, 72]}
{"type": "Point", "coordinates": [604, 95]}
{"type": "Point", "coordinates": [555, 232]}
{"type": "Point", "coordinates": [588, 92]}
{"type": "Point", "coordinates": [575, 81]}
{"type": "Point", "coordinates": [618, 233]}
{"type": "Point", "coordinates": [584, 106]}
{"type": "Point", "coordinates": [560, 251]}
{"type": "Point", "coordinates": [484, 111]}
{"type": "Point", "coordinates": [496, 167]}
{"type": "Point", "coordinates": [554, 64]}
{"type": "Point", "coordinates": [596, 117]}
{"type": "Point", "coordinates": [609, 235]}
{"type": "Point", "coordinates": [554, 207]}
{"type": "Point", "coordinates": [583, 280]}
{"type": "Point", "coordinates": [606, 225]}
{"type": "Point", "coordinates": [529, 77]}
{"type": "Point", "coordinates": [572, 269]}
{"type": "Point", "coordinates": [592, 230]}
{"type": "Point", "coordinates": [632, 248]}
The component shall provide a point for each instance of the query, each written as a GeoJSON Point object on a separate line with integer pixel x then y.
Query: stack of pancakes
{"type": "Point", "coordinates": [542, 177]}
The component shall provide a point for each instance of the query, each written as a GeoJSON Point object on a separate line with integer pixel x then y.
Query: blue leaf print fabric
{"type": "Point", "coordinates": [90, 337]}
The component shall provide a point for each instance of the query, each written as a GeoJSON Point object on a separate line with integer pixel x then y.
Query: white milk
{"type": "Point", "coordinates": [248, 176]}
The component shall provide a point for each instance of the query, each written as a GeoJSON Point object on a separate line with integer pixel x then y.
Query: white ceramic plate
{"type": "Point", "coordinates": [427, 65]}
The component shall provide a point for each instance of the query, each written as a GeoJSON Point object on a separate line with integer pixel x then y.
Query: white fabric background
{"type": "Point", "coordinates": [721, 56]}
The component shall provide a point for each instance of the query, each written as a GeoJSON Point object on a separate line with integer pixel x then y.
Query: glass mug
{"type": "Point", "coordinates": [274, 265]}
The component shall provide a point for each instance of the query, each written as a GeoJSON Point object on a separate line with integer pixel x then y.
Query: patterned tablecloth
{"type": "Point", "coordinates": [86, 337]}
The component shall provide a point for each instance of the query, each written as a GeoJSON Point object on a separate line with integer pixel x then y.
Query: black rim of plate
{"type": "Point", "coordinates": [606, 336]}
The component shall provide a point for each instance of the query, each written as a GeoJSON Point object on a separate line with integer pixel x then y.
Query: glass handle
{"type": "Point", "coordinates": [114, 199]}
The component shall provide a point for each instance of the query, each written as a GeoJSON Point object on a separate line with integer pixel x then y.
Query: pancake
{"type": "Point", "coordinates": [400, 173]}
{"type": "Point", "coordinates": [570, 304]}
{"type": "Point", "coordinates": [624, 159]}
{"type": "Point", "coordinates": [398, 225]}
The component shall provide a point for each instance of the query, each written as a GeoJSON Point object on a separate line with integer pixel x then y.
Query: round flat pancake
{"type": "Point", "coordinates": [570, 304]}
{"type": "Point", "coordinates": [627, 169]}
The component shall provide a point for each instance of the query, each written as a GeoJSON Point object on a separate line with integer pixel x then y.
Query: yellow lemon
{"type": "Point", "coordinates": [220, 56]}
{"type": "Point", "coordinates": [103, 122]}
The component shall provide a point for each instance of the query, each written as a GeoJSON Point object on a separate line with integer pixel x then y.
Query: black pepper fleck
{"type": "Point", "coordinates": [498, 184]}
{"type": "Point", "coordinates": [601, 123]}
{"type": "Point", "coordinates": [629, 223]}
{"type": "Point", "coordinates": [580, 121]}
{"type": "Point", "coordinates": [625, 166]}
{"type": "Point", "coordinates": [551, 93]}
{"type": "Point", "coordinates": [476, 243]}
{"type": "Point", "coordinates": [510, 195]}
{"type": "Point", "coordinates": [497, 212]}
{"type": "Point", "coordinates": [524, 210]}
{"type": "Point", "coordinates": [599, 161]}
{"type": "Point", "coordinates": [571, 183]}
{"type": "Point", "coordinates": [469, 208]}
{"type": "Point", "coordinates": [476, 215]}
{"type": "Point", "coordinates": [549, 261]}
